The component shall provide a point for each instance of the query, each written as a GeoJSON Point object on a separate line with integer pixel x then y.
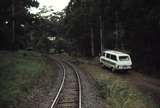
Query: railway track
{"type": "Point", "coordinates": [69, 93]}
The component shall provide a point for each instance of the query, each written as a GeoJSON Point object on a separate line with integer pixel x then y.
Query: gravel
{"type": "Point", "coordinates": [90, 96]}
{"type": "Point", "coordinates": [48, 99]}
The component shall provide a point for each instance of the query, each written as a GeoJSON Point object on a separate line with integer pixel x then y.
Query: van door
{"type": "Point", "coordinates": [107, 61]}
{"type": "Point", "coordinates": [102, 58]}
{"type": "Point", "coordinates": [112, 61]}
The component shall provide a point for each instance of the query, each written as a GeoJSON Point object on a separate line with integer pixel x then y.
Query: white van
{"type": "Point", "coordinates": [116, 60]}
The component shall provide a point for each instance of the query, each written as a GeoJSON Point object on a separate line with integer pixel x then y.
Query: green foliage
{"type": "Point", "coordinates": [103, 86]}
{"type": "Point", "coordinates": [22, 19]}
{"type": "Point", "coordinates": [117, 92]}
{"type": "Point", "coordinates": [18, 73]}
{"type": "Point", "coordinates": [60, 44]}
{"type": "Point", "coordinates": [48, 24]}
{"type": "Point", "coordinates": [130, 20]}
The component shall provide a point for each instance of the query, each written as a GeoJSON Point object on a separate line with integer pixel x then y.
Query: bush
{"type": "Point", "coordinates": [117, 92]}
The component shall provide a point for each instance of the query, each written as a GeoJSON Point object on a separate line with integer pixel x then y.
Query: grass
{"type": "Point", "coordinates": [20, 73]}
{"type": "Point", "coordinates": [115, 91]}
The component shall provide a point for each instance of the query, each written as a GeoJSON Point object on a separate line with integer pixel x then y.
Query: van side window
{"type": "Point", "coordinates": [108, 56]}
{"type": "Point", "coordinates": [113, 57]}
{"type": "Point", "coordinates": [103, 54]}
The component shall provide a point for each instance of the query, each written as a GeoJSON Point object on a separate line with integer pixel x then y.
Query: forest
{"type": "Point", "coordinates": [85, 28]}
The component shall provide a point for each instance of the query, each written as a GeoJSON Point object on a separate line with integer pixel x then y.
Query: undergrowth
{"type": "Point", "coordinates": [20, 72]}
{"type": "Point", "coordinates": [117, 92]}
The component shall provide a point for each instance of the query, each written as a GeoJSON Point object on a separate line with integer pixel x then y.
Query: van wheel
{"type": "Point", "coordinates": [125, 71]}
{"type": "Point", "coordinates": [103, 66]}
{"type": "Point", "coordinates": [113, 69]}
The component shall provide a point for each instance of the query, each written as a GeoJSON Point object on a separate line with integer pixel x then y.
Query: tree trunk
{"type": "Point", "coordinates": [92, 42]}
{"type": "Point", "coordinates": [116, 30]}
{"type": "Point", "coordinates": [116, 36]}
{"type": "Point", "coordinates": [101, 32]}
{"type": "Point", "coordinates": [13, 23]}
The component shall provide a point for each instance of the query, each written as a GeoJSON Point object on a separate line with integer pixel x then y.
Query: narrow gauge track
{"type": "Point", "coordinates": [69, 93]}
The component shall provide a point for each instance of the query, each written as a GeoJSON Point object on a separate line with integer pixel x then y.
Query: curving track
{"type": "Point", "coordinates": [69, 93]}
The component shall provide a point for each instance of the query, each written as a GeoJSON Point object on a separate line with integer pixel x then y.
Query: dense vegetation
{"type": "Point", "coordinates": [114, 88]}
{"type": "Point", "coordinates": [24, 78]}
{"type": "Point", "coordinates": [14, 22]}
{"type": "Point", "coordinates": [117, 92]}
{"type": "Point", "coordinates": [21, 29]}
{"type": "Point", "coordinates": [85, 28]}
{"type": "Point", "coordinates": [130, 25]}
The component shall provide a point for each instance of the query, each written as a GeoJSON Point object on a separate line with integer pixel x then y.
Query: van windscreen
{"type": "Point", "coordinates": [123, 58]}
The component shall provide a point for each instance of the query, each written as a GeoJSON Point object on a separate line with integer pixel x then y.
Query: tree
{"type": "Point", "coordinates": [120, 22]}
{"type": "Point", "coordinates": [12, 18]}
{"type": "Point", "coordinates": [48, 23]}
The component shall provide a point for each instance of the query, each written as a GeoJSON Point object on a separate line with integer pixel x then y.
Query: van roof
{"type": "Point", "coordinates": [114, 52]}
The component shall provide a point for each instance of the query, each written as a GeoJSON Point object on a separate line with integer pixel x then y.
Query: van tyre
{"type": "Point", "coordinates": [103, 66]}
{"type": "Point", "coordinates": [125, 71]}
{"type": "Point", "coordinates": [113, 69]}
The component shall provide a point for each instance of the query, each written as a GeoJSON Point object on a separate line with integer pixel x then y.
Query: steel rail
{"type": "Point", "coordinates": [79, 83]}
{"type": "Point", "coordinates": [60, 88]}
{"type": "Point", "coordinates": [63, 81]}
